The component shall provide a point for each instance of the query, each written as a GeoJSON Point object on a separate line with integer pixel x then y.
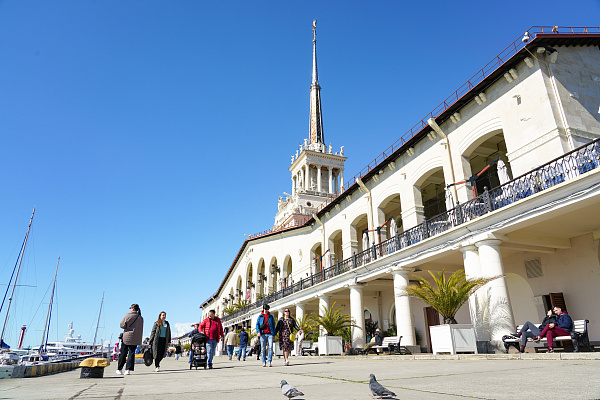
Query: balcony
{"type": "Point", "coordinates": [567, 167]}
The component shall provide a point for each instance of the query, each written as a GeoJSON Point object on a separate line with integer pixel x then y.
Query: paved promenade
{"type": "Point", "coordinates": [330, 378]}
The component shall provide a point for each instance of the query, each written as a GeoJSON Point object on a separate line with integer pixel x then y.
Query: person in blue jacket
{"type": "Point", "coordinates": [562, 327]}
{"type": "Point", "coordinates": [243, 336]}
{"type": "Point", "coordinates": [265, 328]}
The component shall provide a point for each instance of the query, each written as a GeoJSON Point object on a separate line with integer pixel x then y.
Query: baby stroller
{"type": "Point", "coordinates": [199, 354]}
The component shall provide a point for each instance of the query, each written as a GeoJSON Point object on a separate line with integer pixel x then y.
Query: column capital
{"type": "Point", "coordinates": [489, 242]}
{"type": "Point", "coordinates": [470, 247]}
{"type": "Point", "coordinates": [323, 297]}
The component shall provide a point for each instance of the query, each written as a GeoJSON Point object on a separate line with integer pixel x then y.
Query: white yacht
{"type": "Point", "coordinates": [72, 347]}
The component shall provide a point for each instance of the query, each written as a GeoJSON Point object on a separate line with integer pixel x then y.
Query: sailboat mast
{"type": "Point", "coordinates": [16, 278]}
{"type": "Point", "coordinates": [97, 324]}
{"type": "Point", "coordinates": [47, 324]}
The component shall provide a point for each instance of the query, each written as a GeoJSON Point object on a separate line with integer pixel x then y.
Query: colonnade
{"type": "Point", "coordinates": [301, 180]}
{"type": "Point", "coordinates": [491, 312]}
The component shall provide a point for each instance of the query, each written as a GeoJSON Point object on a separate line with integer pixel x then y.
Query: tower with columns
{"type": "Point", "coordinates": [317, 171]}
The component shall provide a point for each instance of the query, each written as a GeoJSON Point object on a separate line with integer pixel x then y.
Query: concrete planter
{"type": "Point", "coordinates": [453, 338]}
{"type": "Point", "coordinates": [329, 345]}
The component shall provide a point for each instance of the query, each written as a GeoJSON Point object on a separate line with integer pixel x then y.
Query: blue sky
{"type": "Point", "coordinates": [151, 136]}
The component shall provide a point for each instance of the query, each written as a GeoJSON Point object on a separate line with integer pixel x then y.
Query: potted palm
{"type": "Point", "coordinates": [333, 322]}
{"type": "Point", "coordinates": [447, 297]}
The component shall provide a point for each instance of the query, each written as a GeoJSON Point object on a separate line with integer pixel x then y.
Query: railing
{"type": "Point", "coordinates": [564, 168]}
{"type": "Point", "coordinates": [477, 78]}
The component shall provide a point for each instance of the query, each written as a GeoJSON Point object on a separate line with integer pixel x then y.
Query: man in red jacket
{"type": "Point", "coordinates": [213, 329]}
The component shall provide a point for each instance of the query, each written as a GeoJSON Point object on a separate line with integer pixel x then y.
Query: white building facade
{"type": "Point", "coordinates": [503, 179]}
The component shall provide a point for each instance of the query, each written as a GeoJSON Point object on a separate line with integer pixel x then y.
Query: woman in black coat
{"type": "Point", "coordinates": [160, 339]}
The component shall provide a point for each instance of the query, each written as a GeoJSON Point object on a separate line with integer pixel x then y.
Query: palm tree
{"type": "Point", "coordinates": [449, 295]}
{"type": "Point", "coordinates": [332, 320]}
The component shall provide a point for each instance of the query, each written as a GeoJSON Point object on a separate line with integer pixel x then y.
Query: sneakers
{"type": "Point", "coordinates": [119, 372]}
{"type": "Point", "coordinates": [270, 365]}
{"type": "Point", "coordinates": [209, 366]}
{"type": "Point", "coordinates": [127, 372]}
{"type": "Point", "coordinates": [286, 363]}
{"type": "Point", "coordinates": [550, 350]}
{"type": "Point", "coordinates": [264, 364]}
{"type": "Point", "coordinates": [229, 358]}
{"type": "Point", "coordinates": [157, 369]}
{"type": "Point", "coordinates": [536, 339]}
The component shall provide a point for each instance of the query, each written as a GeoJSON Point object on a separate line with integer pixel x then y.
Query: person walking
{"type": "Point", "coordinates": [230, 342]}
{"type": "Point", "coordinates": [177, 351]}
{"type": "Point", "coordinates": [285, 327]}
{"type": "Point", "coordinates": [243, 336]}
{"type": "Point", "coordinates": [213, 329]}
{"type": "Point", "coordinates": [133, 327]}
{"type": "Point", "coordinates": [265, 328]}
{"type": "Point", "coordinates": [159, 338]}
{"type": "Point", "coordinates": [300, 336]}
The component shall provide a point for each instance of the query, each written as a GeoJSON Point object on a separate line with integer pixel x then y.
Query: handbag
{"type": "Point", "coordinates": [292, 335]}
{"type": "Point", "coordinates": [148, 357]}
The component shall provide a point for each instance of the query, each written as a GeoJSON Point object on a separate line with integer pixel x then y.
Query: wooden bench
{"type": "Point", "coordinates": [391, 344]}
{"type": "Point", "coordinates": [579, 337]}
{"type": "Point", "coordinates": [312, 350]}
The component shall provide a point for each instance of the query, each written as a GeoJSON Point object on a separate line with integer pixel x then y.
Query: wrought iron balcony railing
{"type": "Point", "coordinates": [564, 168]}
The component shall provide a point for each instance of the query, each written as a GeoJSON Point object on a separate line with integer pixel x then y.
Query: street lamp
{"type": "Point", "coordinates": [274, 269]}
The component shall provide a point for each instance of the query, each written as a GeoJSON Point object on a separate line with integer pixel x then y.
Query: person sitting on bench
{"type": "Point", "coordinates": [562, 327]}
{"type": "Point", "coordinates": [530, 330]}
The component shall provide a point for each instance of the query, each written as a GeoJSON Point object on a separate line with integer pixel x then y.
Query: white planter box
{"type": "Point", "coordinates": [453, 338]}
{"type": "Point", "coordinates": [329, 345]}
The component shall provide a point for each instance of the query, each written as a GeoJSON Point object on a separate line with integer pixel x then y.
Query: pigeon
{"type": "Point", "coordinates": [377, 389]}
{"type": "Point", "coordinates": [289, 391]}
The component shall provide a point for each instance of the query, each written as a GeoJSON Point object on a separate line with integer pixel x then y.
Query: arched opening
{"type": "Point", "coordinates": [433, 194]}
{"type": "Point", "coordinates": [250, 284]}
{"type": "Point", "coordinates": [484, 152]}
{"type": "Point", "coordinates": [358, 228]}
{"type": "Point", "coordinates": [261, 288]}
{"type": "Point", "coordinates": [335, 247]}
{"type": "Point", "coordinates": [239, 294]}
{"type": "Point", "coordinates": [286, 271]}
{"type": "Point", "coordinates": [275, 272]}
{"type": "Point", "coordinates": [390, 208]}
{"type": "Point", "coordinates": [316, 259]}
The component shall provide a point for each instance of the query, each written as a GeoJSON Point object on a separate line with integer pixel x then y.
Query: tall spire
{"type": "Point", "coordinates": [316, 120]}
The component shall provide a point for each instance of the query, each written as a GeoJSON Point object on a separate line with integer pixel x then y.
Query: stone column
{"type": "Point", "coordinates": [330, 180]}
{"type": "Point", "coordinates": [477, 308]}
{"type": "Point", "coordinates": [279, 315]}
{"type": "Point", "coordinates": [300, 311]}
{"type": "Point", "coordinates": [293, 185]}
{"type": "Point", "coordinates": [404, 319]}
{"type": "Point", "coordinates": [323, 302]}
{"type": "Point", "coordinates": [501, 319]}
{"type": "Point", "coordinates": [306, 178]}
{"type": "Point", "coordinates": [358, 316]}
{"type": "Point", "coordinates": [318, 178]}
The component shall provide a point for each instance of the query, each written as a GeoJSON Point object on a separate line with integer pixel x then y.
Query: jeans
{"type": "Point", "coordinates": [127, 351]}
{"type": "Point", "coordinates": [177, 356]}
{"type": "Point", "coordinates": [529, 330]}
{"type": "Point", "coordinates": [211, 347]}
{"type": "Point", "coordinates": [242, 350]}
{"type": "Point", "coordinates": [230, 348]}
{"type": "Point", "coordinates": [266, 338]}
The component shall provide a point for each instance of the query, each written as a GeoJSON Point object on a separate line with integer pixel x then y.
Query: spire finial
{"type": "Point", "coordinates": [316, 121]}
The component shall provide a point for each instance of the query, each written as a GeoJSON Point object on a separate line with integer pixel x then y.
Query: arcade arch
{"type": "Point", "coordinates": [485, 150]}
{"type": "Point", "coordinates": [335, 247]}
{"type": "Point", "coordinates": [431, 193]}
{"type": "Point", "coordinates": [390, 208]}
